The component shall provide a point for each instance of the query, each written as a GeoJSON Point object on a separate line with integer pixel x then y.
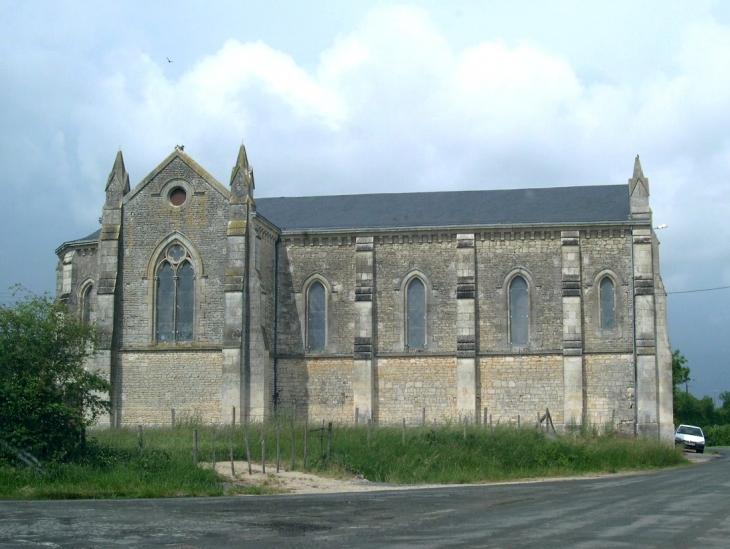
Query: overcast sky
{"type": "Point", "coordinates": [350, 97]}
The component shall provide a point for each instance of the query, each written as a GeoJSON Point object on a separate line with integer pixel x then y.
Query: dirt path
{"type": "Point", "coordinates": [297, 482]}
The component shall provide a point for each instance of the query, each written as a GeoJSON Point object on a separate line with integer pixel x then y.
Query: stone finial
{"type": "Point", "coordinates": [242, 168]}
{"type": "Point", "coordinates": [117, 186]}
{"type": "Point", "coordinates": [639, 192]}
{"type": "Point", "coordinates": [638, 172]}
{"type": "Point", "coordinates": [118, 178]}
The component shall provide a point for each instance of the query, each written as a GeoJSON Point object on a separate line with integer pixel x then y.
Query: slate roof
{"type": "Point", "coordinates": [552, 205]}
{"type": "Point", "coordinates": [555, 205]}
{"type": "Point", "coordinates": [93, 237]}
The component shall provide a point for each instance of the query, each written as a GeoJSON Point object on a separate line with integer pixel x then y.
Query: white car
{"type": "Point", "coordinates": [690, 437]}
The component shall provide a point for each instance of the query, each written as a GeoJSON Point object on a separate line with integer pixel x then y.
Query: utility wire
{"type": "Point", "coordinates": [702, 290]}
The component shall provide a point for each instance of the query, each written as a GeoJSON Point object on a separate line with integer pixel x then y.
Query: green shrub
{"type": "Point", "coordinates": [717, 435]}
{"type": "Point", "coordinates": [47, 399]}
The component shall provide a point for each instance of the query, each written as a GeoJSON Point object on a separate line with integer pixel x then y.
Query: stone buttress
{"type": "Point", "coordinates": [237, 324]}
{"type": "Point", "coordinates": [466, 321]}
{"type": "Point", "coordinates": [108, 275]}
{"type": "Point", "coordinates": [573, 365]}
{"type": "Point", "coordinates": [651, 344]}
{"type": "Point", "coordinates": [364, 361]}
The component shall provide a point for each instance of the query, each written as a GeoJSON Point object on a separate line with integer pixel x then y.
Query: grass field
{"type": "Point", "coordinates": [119, 465]}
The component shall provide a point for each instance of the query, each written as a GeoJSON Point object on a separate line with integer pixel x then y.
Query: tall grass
{"type": "Point", "coordinates": [116, 466]}
{"type": "Point", "coordinates": [444, 456]}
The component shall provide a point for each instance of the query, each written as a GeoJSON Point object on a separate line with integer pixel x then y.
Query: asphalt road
{"type": "Point", "coordinates": [683, 507]}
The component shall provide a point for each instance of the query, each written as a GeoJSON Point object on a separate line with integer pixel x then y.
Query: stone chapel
{"type": "Point", "coordinates": [443, 306]}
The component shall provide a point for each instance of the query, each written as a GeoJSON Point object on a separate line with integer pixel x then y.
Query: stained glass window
{"type": "Point", "coordinates": [175, 297]}
{"type": "Point", "coordinates": [184, 307]}
{"type": "Point", "coordinates": [519, 312]}
{"type": "Point", "coordinates": [416, 314]}
{"type": "Point", "coordinates": [608, 304]}
{"type": "Point", "coordinates": [316, 317]}
{"type": "Point", "coordinates": [87, 304]}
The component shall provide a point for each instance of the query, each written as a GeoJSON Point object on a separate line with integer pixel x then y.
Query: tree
{"type": "Point", "coordinates": [725, 398]}
{"type": "Point", "coordinates": [47, 398]}
{"type": "Point", "coordinates": [680, 372]}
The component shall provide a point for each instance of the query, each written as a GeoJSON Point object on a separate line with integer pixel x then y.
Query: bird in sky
{"type": "Point", "coordinates": [168, 60]}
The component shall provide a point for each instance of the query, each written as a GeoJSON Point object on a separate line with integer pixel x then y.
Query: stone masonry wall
{"type": "Point", "coordinates": [333, 262]}
{"type": "Point", "coordinates": [432, 257]}
{"type": "Point", "coordinates": [536, 255]}
{"type": "Point", "coordinates": [405, 386]}
{"type": "Point", "coordinates": [610, 389]}
{"type": "Point", "coordinates": [155, 382]}
{"type": "Point", "coordinates": [202, 220]}
{"type": "Point", "coordinates": [320, 389]}
{"type": "Point", "coordinates": [606, 252]}
{"type": "Point", "coordinates": [522, 385]}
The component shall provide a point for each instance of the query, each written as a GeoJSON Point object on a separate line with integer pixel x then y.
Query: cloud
{"type": "Point", "coordinates": [391, 105]}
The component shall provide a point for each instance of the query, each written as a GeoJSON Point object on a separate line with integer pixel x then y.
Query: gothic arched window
{"type": "Point", "coordinates": [87, 304]}
{"type": "Point", "coordinates": [175, 296]}
{"type": "Point", "coordinates": [316, 317]}
{"type": "Point", "coordinates": [416, 314]}
{"type": "Point", "coordinates": [607, 303]}
{"type": "Point", "coordinates": [519, 312]}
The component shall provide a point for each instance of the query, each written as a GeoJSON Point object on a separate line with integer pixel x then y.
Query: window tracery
{"type": "Point", "coordinates": [175, 296]}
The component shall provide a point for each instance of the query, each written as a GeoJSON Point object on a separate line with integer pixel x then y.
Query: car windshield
{"type": "Point", "coordinates": [685, 430]}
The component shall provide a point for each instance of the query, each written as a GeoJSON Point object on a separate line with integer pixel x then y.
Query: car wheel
{"type": "Point", "coordinates": [700, 450]}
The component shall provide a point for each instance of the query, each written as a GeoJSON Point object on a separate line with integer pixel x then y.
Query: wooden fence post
{"type": "Point", "coordinates": [370, 428]}
{"type": "Point", "coordinates": [248, 450]}
{"type": "Point", "coordinates": [357, 415]}
{"type": "Point", "coordinates": [293, 448]}
{"type": "Point", "coordinates": [404, 431]}
{"type": "Point", "coordinates": [230, 449]}
{"type": "Point", "coordinates": [139, 438]}
{"type": "Point", "coordinates": [278, 444]}
{"type": "Point", "coordinates": [172, 417]}
{"type": "Point", "coordinates": [214, 433]}
{"type": "Point", "coordinates": [329, 441]}
{"type": "Point", "coordinates": [233, 416]}
{"type": "Point", "coordinates": [423, 416]}
{"type": "Point", "coordinates": [263, 447]}
{"type": "Point", "coordinates": [195, 446]}
{"type": "Point", "coordinates": [306, 445]}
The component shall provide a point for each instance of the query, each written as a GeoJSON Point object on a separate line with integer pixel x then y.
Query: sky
{"type": "Point", "coordinates": [335, 97]}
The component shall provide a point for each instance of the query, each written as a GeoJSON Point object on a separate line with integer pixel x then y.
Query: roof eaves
{"type": "Point", "coordinates": [491, 226]}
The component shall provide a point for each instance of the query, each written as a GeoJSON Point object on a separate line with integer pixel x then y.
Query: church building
{"type": "Point", "coordinates": [488, 305]}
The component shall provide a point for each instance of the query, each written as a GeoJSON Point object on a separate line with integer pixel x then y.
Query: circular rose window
{"type": "Point", "coordinates": [178, 196]}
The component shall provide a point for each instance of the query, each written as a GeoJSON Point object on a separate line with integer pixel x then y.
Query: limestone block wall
{"type": "Point", "coordinates": [320, 389]}
{"type": "Point", "coordinates": [606, 252]}
{"type": "Point", "coordinates": [609, 389]}
{"type": "Point", "coordinates": [407, 385]}
{"type": "Point", "coordinates": [535, 255]}
{"type": "Point", "coordinates": [293, 386]}
{"type": "Point", "coordinates": [522, 385]}
{"type": "Point", "coordinates": [82, 267]}
{"type": "Point", "coordinates": [154, 382]}
{"type": "Point", "coordinates": [264, 265]}
{"type": "Point", "coordinates": [202, 223]}
{"type": "Point", "coordinates": [431, 256]}
{"type": "Point", "coordinates": [332, 261]}
{"type": "Point", "coordinates": [329, 385]}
